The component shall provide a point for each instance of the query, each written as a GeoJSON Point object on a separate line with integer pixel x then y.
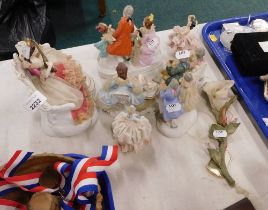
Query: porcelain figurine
{"type": "Point", "coordinates": [180, 38]}
{"type": "Point", "coordinates": [175, 70]}
{"type": "Point", "coordinates": [174, 122]}
{"type": "Point", "coordinates": [106, 39]}
{"type": "Point", "coordinates": [150, 42]}
{"type": "Point", "coordinates": [194, 63]}
{"type": "Point", "coordinates": [188, 94]}
{"type": "Point", "coordinates": [70, 106]}
{"type": "Point", "coordinates": [150, 88]}
{"type": "Point", "coordinates": [170, 106]}
{"type": "Point", "coordinates": [122, 46]}
{"type": "Point", "coordinates": [265, 79]}
{"type": "Point", "coordinates": [120, 90]}
{"type": "Point", "coordinates": [139, 49]}
{"type": "Point", "coordinates": [131, 130]}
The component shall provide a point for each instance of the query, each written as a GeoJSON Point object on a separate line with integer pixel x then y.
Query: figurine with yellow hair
{"type": "Point", "coordinates": [148, 25]}
{"type": "Point", "coordinates": [145, 50]}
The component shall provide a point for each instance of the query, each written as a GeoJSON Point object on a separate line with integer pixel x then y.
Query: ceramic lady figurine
{"type": "Point", "coordinates": [149, 42]}
{"type": "Point", "coordinates": [180, 39]}
{"type": "Point", "coordinates": [131, 130]}
{"type": "Point", "coordinates": [106, 39]}
{"type": "Point", "coordinates": [70, 106]}
{"type": "Point", "coordinates": [189, 95]}
{"type": "Point", "coordinates": [122, 46]}
{"type": "Point", "coordinates": [174, 122]}
{"type": "Point", "coordinates": [170, 106]}
{"type": "Point", "coordinates": [120, 91]}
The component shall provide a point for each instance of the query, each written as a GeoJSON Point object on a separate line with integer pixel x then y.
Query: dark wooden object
{"type": "Point", "coordinates": [102, 8]}
{"type": "Point", "coordinates": [243, 204]}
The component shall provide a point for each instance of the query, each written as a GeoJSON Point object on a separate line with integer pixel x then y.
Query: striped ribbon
{"type": "Point", "coordinates": [78, 180]}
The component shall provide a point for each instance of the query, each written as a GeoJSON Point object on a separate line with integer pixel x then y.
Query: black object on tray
{"type": "Point", "coordinates": [243, 204]}
{"type": "Point", "coordinates": [253, 60]}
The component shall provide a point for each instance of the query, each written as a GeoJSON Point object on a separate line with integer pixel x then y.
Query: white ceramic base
{"type": "Point", "coordinates": [184, 123]}
{"type": "Point", "coordinates": [107, 66]}
{"type": "Point", "coordinates": [56, 128]}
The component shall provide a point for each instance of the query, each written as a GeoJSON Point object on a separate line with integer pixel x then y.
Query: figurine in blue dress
{"type": "Point", "coordinates": [106, 39]}
{"type": "Point", "coordinates": [120, 91]}
{"type": "Point", "coordinates": [169, 105]}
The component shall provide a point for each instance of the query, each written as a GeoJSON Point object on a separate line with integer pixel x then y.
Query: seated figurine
{"type": "Point", "coordinates": [60, 79]}
{"type": "Point", "coordinates": [120, 91]}
{"type": "Point", "coordinates": [131, 130]}
{"type": "Point", "coordinates": [176, 68]}
{"type": "Point", "coordinates": [180, 38]}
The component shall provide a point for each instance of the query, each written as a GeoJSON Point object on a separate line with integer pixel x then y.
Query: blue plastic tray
{"type": "Point", "coordinates": [250, 88]}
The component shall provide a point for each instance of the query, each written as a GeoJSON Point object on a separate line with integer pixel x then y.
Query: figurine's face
{"type": "Point", "coordinates": [102, 28]}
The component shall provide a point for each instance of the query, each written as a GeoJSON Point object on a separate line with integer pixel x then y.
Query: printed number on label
{"type": "Point", "coordinates": [219, 133]}
{"type": "Point", "coordinates": [35, 101]}
{"type": "Point", "coordinates": [173, 107]}
{"type": "Point", "coordinates": [182, 54]}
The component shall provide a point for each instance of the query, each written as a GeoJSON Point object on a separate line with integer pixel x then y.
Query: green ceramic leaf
{"type": "Point", "coordinates": [231, 128]}
{"type": "Point", "coordinates": [215, 156]}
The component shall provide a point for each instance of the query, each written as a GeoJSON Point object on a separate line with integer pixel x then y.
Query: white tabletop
{"type": "Point", "coordinates": [169, 174]}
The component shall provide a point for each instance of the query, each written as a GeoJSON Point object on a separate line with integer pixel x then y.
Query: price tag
{"type": "Point", "coordinates": [173, 107]}
{"type": "Point", "coordinates": [34, 102]}
{"type": "Point", "coordinates": [153, 43]}
{"type": "Point", "coordinates": [122, 98]}
{"type": "Point", "coordinates": [219, 133]}
{"type": "Point", "coordinates": [182, 54]}
{"type": "Point", "coordinates": [26, 52]}
{"type": "Point", "coordinates": [23, 49]}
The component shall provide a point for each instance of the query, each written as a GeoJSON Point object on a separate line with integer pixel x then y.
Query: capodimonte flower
{"type": "Point", "coordinates": [219, 93]}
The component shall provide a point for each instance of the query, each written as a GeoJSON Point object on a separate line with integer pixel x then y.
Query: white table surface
{"type": "Point", "coordinates": [169, 174]}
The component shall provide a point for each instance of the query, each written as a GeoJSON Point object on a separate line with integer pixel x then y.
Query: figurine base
{"type": "Point", "coordinates": [66, 130]}
{"type": "Point", "coordinates": [107, 66]}
{"type": "Point", "coordinates": [184, 123]}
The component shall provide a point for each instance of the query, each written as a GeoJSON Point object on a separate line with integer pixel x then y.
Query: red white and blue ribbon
{"type": "Point", "coordinates": [78, 180]}
{"type": "Point", "coordinates": [11, 205]}
{"type": "Point", "coordinates": [29, 182]}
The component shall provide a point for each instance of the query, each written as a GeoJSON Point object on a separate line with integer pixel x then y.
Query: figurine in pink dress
{"type": "Point", "coordinates": [180, 38]}
{"type": "Point", "coordinates": [149, 43]}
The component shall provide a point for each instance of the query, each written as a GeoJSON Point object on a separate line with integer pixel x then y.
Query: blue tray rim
{"type": "Point", "coordinates": [205, 33]}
